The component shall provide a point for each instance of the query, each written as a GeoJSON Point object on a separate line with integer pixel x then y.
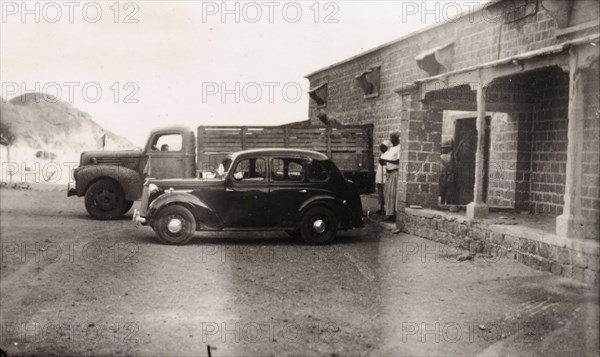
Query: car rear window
{"type": "Point", "coordinates": [317, 172]}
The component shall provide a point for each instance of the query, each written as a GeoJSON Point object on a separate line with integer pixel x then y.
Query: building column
{"type": "Point", "coordinates": [478, 208]}
{"type": "Point", "coordinates": [572, 223]}
{"type": "Point", "coordinates": [421, 136]}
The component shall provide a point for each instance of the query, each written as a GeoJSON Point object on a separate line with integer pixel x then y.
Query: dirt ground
{"type": "Point", "coordinates": [70, 285]}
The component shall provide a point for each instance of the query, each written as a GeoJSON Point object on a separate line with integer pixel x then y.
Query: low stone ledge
{"type": "Point", "coordinates": [574, 258]}
{"type": "Point", "coordinates": [430, 213]}
{"type": "Point", "coordinates": [587, 246]}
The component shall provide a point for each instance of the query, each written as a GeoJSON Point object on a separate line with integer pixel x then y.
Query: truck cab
{"type": "Point", "coordinates": [170, 153]}
{"type": "Point", "coordinates": [112, 180]}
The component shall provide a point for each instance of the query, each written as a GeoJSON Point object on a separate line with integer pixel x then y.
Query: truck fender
{"type": "Point", "coordinates": [341, 211]}
{"type": "Point", "coordinates": [130, 180]}
{"type": "Point", "coordinates": [205, 216]}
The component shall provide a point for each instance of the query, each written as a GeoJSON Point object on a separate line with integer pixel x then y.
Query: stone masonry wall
{"type": "Point", "coordinates": [536, 140]}
{"type": "Point", "coordinates": [576, 262]}
{"type": "Point", "coordinates": [503, 155]}
{"type": "Point", "coordinates": [419, 172]}
{"type": "Point", "coordinates": [549, 159]}
{"type": "Point", "coordinates": [591, 153]}
{"type": "Point", "coordinates": [479, 38]}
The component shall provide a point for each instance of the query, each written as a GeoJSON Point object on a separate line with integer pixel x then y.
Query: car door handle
{"type": "Point", "coordinates": [229, 190]}
{"type": "Point", "coordinates": [303, 191]}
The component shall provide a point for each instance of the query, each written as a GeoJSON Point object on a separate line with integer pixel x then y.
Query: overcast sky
{"type": "Point", "coordinates": [162, 63]}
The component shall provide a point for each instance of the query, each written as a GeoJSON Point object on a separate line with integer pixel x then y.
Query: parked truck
{"type": "Point", "coordinates": [112, 180]}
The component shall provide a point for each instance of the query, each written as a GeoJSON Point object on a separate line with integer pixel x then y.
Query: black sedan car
{"type": "Point", "coordinates": [300, 192]}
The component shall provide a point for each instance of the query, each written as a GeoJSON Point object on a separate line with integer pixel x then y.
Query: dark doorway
{"type": "Point", "coordinates": [465, 139]}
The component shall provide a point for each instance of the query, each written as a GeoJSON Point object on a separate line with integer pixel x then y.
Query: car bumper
{"type": "Point", "coordinates": [361, 223]}
{"type": "Point", "coordinates": [137, 219]}
{"type": "Point", "coordinates": [354, 214]}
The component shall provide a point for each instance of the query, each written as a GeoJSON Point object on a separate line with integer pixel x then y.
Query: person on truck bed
{"type": "Point", "coordinates": [327, 120]}
{"type": "Point", "coordinates": [391, 160]}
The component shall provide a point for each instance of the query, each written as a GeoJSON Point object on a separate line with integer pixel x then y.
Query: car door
{"type": "Point", "coordinates": [246, 194]}
{"type": "Point", "coordinates": [288, 190]}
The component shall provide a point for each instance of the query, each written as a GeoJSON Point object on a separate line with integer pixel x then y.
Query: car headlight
{"type": "Point", "coordinates": [152, 188]}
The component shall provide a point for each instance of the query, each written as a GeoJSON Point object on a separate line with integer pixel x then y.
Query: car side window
{"type": "Point", "coordinates": [317, 172]}
{"type": "Point", "coordinates": [249, 170]}
{"type": "Point", "coordinates": [287, 169]}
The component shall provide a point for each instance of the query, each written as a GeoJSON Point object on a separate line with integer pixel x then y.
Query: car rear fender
{"type": "Point", "coordinates": [130, 180]}
{"type": "Point", "coordinates": [341, 211]}
{"type": "Point", "coordinates": [205, 216]}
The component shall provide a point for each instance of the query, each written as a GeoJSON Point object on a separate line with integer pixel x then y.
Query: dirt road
{"type": "Point", "coordinates": [70, 285]}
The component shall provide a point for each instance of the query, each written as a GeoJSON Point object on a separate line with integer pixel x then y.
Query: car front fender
{"type": "Point", "coordinates": [206, 217]}
{"type": "Point", "coordinates": [130, 180]}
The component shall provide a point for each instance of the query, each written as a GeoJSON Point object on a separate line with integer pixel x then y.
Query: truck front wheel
{"type": "Point", "coordinates": [105, 200]}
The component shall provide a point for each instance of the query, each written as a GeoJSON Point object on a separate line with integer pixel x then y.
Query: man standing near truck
{"type": "Point", "coordinates": [391, 161]}
{"type": "Point", "coordinates": [381, 177]}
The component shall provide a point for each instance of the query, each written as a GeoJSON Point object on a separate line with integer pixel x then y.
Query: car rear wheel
{"type": "Point", "coordinates": [105, 200]}
{"type": "Point", "coordinates": [175, 225]}
{"type": "Point", "coordinates": [318, 225]}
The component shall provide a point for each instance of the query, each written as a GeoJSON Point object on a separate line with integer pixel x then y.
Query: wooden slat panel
{"type": "Point", "coordinates": [349, 147]}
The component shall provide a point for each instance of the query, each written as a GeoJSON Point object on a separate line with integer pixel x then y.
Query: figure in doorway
{"type": "Point", "coordinates": [447, 181]}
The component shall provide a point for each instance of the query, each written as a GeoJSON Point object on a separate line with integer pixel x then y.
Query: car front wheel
{"type": "Point", "coordinates": [175, 225]}
{"type": "Point", "coordinates": [318, 225]}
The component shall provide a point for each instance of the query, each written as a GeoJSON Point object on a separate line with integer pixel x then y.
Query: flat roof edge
{"type": "Point", "coordinates": [400, 39]}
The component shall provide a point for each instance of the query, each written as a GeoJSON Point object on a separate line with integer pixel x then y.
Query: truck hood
{"type": "Point", "coordinates": [128, 158]}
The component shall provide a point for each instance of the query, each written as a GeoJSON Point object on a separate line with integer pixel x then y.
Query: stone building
{"type": "Point", "coordinates": [515, 82]}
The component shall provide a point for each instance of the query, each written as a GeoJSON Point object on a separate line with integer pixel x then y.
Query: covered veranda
{"type": "Point", "coordinates": [508, 86]}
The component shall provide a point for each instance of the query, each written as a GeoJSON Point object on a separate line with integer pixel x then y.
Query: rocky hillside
{"type": "Point", "coordinates": [45, 130]}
